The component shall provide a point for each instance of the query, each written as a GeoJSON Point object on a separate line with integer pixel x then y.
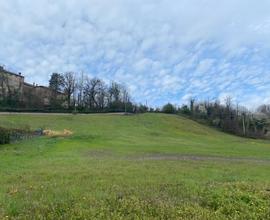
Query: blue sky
{"type": "Point", "coordinates": [163, 50]}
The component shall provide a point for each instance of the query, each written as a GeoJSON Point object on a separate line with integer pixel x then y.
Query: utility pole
{"type": "Point", "coordinates": [244, 124]}
{"type": "Point", "coordinates": [75, 107]}
{"type": "Point", "coordinates": [125, 106]}
{"type": "Point", "coordinates": [125, 100]}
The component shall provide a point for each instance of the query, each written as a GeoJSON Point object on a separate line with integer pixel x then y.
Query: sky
{"type": "Point", "coordinates": [162, 50]}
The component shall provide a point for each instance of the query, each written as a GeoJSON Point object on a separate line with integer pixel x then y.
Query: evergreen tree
{"type": "Point", "coordinates": [56, 82]}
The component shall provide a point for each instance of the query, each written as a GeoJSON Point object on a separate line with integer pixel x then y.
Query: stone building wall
{"type": "Point", "coordinates": [29, 95]}
{"type": "Point", "coordinates": [11, 84]}
{"type": "Point", "coordinates": [42, 97]}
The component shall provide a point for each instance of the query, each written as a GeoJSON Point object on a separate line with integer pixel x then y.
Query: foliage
{"type": "Point", "coordinates": [69, 83]}
{"type": "Point", "coordinates": [8, 135]}
{"type": "Point", "coordinates": [68, 91]}
{"type": "Point", "coordinates": [141, 108]}
{"type": "Point", "coordinates": [184, 110]}
{"type": "Point", "coordinates": [228, 118]}
{"type": "Point", "coordinates": [56, 82]}
{"type": "Point", "coordinates": [4, 135]}
{"type": "Point", "coordinates": [168, 109]}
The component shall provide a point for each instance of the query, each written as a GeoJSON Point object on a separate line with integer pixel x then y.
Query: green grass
{"type": "Point", "coordinates": [132, 167]}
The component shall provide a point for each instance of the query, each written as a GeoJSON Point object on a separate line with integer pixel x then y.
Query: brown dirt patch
{"type": "Point", "coordinates": [175, 157]}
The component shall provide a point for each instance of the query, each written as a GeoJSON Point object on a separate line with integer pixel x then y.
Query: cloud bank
{"type": "Point", "coordinates": [164, 51]}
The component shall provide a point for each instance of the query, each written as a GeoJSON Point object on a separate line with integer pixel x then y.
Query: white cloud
{"type": "Point", "coordinates": [204, 66]}
{"type": "Point", "coordinates": [162, 50]}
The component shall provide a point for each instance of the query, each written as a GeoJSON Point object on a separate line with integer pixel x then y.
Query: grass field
{"type": "Point", "coordinates": [149, 166]}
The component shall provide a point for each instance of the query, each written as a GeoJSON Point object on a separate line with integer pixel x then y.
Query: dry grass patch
{"type": "Point", "coordinates": [51, 133]}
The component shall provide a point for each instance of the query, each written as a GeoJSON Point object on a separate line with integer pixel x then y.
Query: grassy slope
{"type": "Point", "coordinates": [100, 172]}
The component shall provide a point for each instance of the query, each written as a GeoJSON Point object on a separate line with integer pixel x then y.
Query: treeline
{"type": "Point", "coordinates": [67, 92]}
{"type": "Point", "coordinates": [84, 94]}
{"type": "Point", "coordinates": [227, 117]}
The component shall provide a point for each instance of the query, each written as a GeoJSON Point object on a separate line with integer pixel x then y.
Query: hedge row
{"type": "Point", "coordinates": [5, 135]}
{"type": "Point", "coordinates": [9, 135]}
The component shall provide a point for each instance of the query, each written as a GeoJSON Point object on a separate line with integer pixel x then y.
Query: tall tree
{"type": "Point", "coordinates": [126, 99]}
{"type": "Point", "coordinates": [95, 93]}
{"type": "Point", "coordinates": [265, 109]}
{"type": "Point", "coordinates": [114, 92]}
{"type": "Point", "coordinates": [80, 87]}
{"type": "Point", "coordinates": [56, 82]}
{"type": "Point", "coordinates": [192, 103]}
{"type": "Point", "coordinates": [69, 86]}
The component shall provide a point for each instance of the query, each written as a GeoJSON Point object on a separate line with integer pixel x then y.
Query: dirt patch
{"type": "Point", "coordinates": [99, 154]}
{"type": "Point", "coordinates": [103, 154]}
{"type": "Point", "coordinates": [175, 157]}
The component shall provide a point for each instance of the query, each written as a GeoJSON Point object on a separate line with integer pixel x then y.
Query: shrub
{"type": "Point", "coordinates": [185, 110]}
{"type": "Point", "coordinates": [169, 109]}
{"type": "Point", "coordinates": [8, 135]}
{"type": "Point", "coordinates": [4, 136]}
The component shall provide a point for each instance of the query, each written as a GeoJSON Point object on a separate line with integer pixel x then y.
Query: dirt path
{"type": "Point", "coordinates": [103, 154]}
{"type": "Point", "coordinates": [199, 158]}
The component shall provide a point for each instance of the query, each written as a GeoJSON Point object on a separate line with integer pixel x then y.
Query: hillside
{"type": "Point", "coordinates": [144, 166]}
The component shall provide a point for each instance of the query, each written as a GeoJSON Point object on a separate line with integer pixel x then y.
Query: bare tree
{"type": "Point", "coordinates": [80, 87]}
{"type": "Point", "coordinates": [95, 93]}
{"type": "Point", "coordinates": [192, 103]}
{"type": "Point", "coordinates": [228, 103]}
{"type": "Point", "coordinates": [69, 86]}
{"type": "Point", "coordinates": [114, 92]}
{"type": "Point", "coordinates": [265, 109]}
{"type": "Point", "coordinates": [126, 97]}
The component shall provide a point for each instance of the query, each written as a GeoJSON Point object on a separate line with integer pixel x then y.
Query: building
{"type": "Point", "coordinates": [14, 88]}
{"type": "Point", "coordinates": [11, 84]}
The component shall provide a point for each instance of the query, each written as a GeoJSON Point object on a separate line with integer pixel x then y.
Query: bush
{"type": "Point", "coordinates": [185, 110]}
{"type": "Point", "coordinates": [169, 109]}
{"type": "Point", "coordinates": [4, 136]}
{"type": "Point", "coordinates": [10, 135]}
